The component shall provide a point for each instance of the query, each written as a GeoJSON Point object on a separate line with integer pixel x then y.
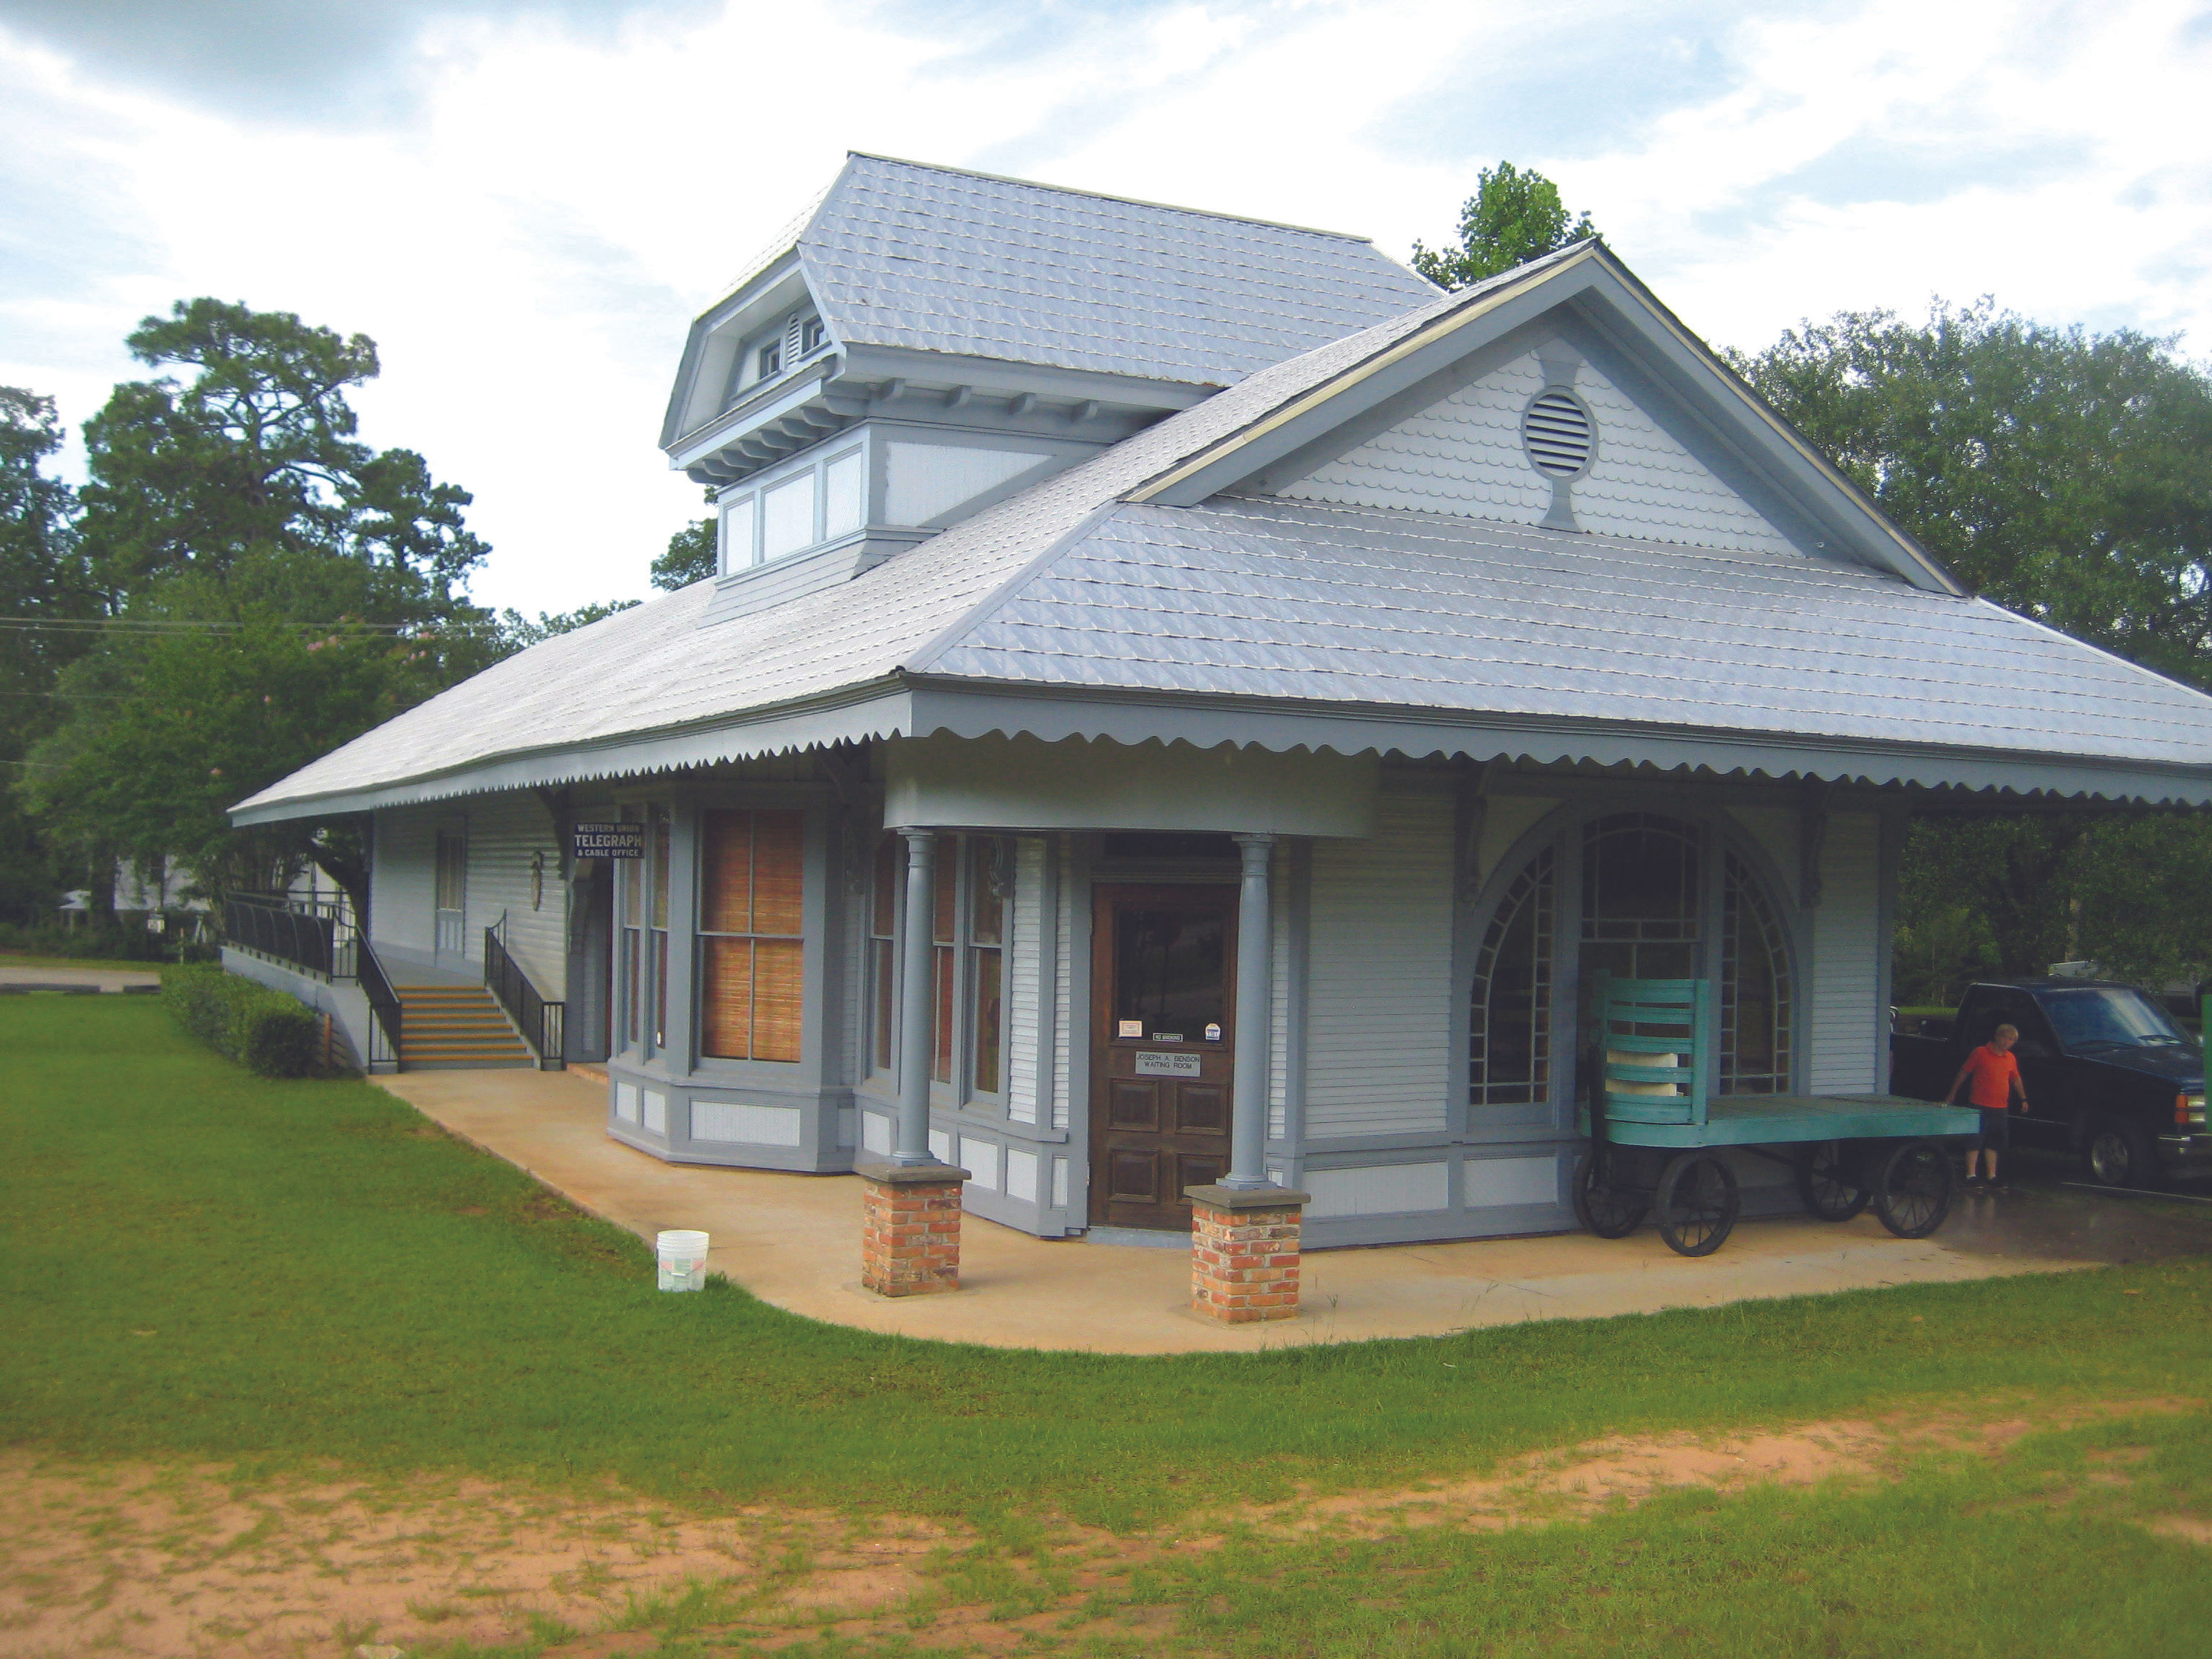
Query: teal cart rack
{"type": "Point", "coordinates": [1654, 1123]}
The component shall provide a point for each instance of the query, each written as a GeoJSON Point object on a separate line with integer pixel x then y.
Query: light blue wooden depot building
{"type": "Point", "coordinates": [1184, 698]}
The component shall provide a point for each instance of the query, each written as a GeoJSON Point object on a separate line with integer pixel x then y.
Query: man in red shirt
{"type": "Point", "coordinates": [1992, 1079]}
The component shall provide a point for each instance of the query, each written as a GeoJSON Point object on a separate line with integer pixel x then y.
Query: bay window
{"type": "Point", "coordinates": [751, 927]}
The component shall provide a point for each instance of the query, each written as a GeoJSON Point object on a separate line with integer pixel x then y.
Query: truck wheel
{"type": "Point", "coordinates": [1832, 1185]}
{"type": "Point", "coordinates": [1607, 1209]}
{"type": "Point", "coordinates": [2120, 1154]}
{"type": "Point", "coordinates": [1913, 1194]}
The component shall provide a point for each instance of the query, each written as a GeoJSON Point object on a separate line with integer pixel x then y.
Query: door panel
{"type": "Point", "coordinates": [1162, 1034]}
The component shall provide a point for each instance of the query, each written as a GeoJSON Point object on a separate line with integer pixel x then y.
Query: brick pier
{"type": "Point", "coordinates": [910, 1228]}
{"type": "Point", "coordinates": [1244, 1253]}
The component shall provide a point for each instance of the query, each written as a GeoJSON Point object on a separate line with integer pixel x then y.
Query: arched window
{"type": "Point", "coordinates": [1755, 1002]}
{"type": "Point", "coordinates": [1640, 896]}
{"type": "Point", "coordinates": [1509, 1056]}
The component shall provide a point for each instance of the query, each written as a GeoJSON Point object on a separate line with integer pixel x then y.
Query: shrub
{"type": "Point", "coordinates": [265, 1030]}
{"type": "Point", "coordinates": [89, 942]}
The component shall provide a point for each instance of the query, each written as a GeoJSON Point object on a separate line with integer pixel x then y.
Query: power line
{"type": "Point", "coordinates": [127, 625]}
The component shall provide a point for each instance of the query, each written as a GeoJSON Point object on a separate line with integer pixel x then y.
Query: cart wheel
{"type": "Point", "coordinates": [1914, 1193]}
{"type": "Point", "coordinates": [1696, 1203]}
{"type": "Point", "coordinates": [1832, 1185]}
{"type": "Point", "coordinates": [1608, 1210]}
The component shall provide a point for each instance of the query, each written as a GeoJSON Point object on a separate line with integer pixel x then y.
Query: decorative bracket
{"type": "Point", "coordinates": [1474, 810]}
{"type": "Point", "coordinates": [1811, 839]}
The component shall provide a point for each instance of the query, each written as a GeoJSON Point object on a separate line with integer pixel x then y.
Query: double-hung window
{"type": "Point", "coordinates": [656, 921]}
{"type": "Point", "coordinates": [751, 927]}
{"type": "Point", "coordinates": [968, 917]}
{"type": "Point", "coordinates": [628, 997]}
{"type": "Point", "coordinates": [883, 948]}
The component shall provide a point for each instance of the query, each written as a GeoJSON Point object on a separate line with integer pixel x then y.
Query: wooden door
{"type": "Point", "coordinates": [1163, 1012]}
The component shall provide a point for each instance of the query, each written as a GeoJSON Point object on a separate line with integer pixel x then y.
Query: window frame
{"type": "Point", "coordinates": [702, 935]}
{"type": "Point", "coordinates": [961, 953]}
{"type": "Point", "coordinates": [1721, 838]}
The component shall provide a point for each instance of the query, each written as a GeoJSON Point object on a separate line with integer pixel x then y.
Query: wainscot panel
{"type": "Point", "coordinates": [741, 1121]}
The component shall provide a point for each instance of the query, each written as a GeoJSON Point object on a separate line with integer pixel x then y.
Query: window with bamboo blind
{"type": "Point", "coordinates": [752, 944]}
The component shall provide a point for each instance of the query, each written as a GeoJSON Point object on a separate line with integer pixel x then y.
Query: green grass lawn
{"type": "Point", "coordinates": [195, 1262]}
{"type": "Point", "coordinates": [16, 961]}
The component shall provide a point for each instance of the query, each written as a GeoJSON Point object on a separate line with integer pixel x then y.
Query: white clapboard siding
{"type": "Point", "coordinates": [403, 878]}
{"type": "Point", "coordinates": [1379, 1007]}
{"type": "Point", "coordinates": [1845, 1024]}
{"type": "Point", "coordinates": [505, 832]}
{"type": "Point", "coordinates": [1062, 1026]}
{"type": "Point", "coordinates": [1023, 990]}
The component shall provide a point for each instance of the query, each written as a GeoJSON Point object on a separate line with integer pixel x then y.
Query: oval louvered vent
{"type": "Point", "coordinates": [1558, 433]}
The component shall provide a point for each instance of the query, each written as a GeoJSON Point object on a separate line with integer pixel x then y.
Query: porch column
{"type": "Point", "coordinates": [911, 1144]}
{"type": "Point", "coordinates": [1248, 1100]}
{"type": "Point", "coordinates": [1244, 1229]}
{"type": "Point", "coordinates": [910, 1205]}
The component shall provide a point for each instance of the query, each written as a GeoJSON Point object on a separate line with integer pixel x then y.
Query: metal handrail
{"type": "Point", "coordinates": [384, 1006]}
{"type": "Point", "coordinates": [543, 1024]}
{"type": "Point", "coordinates": [318, 934]}
{"type": "Point", "coordinates": [305, 938]}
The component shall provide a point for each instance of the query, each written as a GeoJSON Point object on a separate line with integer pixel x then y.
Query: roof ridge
{"type": "Point", "coordinates": [1108, 196]}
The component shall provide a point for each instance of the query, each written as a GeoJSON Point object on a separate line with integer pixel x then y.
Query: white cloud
{"type": "Point", "coordinates": [529, 245]}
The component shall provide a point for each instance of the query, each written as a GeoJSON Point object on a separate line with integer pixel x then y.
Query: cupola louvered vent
{"type": "Point", "coordinates": [1558, 433]}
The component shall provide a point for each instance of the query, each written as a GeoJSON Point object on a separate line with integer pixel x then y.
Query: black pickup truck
{"type": "Point", "coordinates": [2108, 1074]}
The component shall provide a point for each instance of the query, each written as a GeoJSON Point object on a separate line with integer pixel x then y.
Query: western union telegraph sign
{"type": "Point", "coordinates": [610, 840]}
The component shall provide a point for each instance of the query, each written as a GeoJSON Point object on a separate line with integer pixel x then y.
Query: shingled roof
{"type": "Point", "coordinates": [933, 259]}
{"type": "Point", "coordinates": [1295, 624]}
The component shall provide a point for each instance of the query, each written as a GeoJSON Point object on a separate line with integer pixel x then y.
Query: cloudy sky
{"type": "Point", "coordinates": [524, 202]}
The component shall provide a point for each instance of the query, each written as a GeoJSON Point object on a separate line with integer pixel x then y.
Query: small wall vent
{"type": "Point", "coordinates": [1558, 433]}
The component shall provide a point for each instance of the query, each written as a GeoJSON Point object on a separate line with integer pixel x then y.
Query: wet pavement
{"type": "Point", "coordinates": [2038, 1216]}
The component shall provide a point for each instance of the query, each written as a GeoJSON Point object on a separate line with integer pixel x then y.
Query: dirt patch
{"type": "Point", "coordinates": [137, 1559]}
{"type": "Point", "coordinates": [1598, 1473]}
{"type": "Point", "coordinates": [143, 1560]}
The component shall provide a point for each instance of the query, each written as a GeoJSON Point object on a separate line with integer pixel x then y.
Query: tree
{"type": "Point", "coordinates": [1514, 216]}
{"type": "Point", "coordinates": [42, 588]}
{"type": "Point", "coordinates": [186, 723]}
{"type": "Point", "coordinates": [691, 555]}
{"type": "Point", "coordinates": [257, 453]}
{"type": "Point", "coordinates": [272, 587]}
{"type": "Point", "coordinates": [519, 633]}
{"type": "Point", "coordinates": [2067, 475]}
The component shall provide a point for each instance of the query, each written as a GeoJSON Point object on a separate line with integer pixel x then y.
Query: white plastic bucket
{"type": "Point", "coordinates": [682, 1255]}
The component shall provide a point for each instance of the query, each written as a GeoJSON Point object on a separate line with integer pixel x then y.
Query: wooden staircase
{"type": "Point", "coordinates": [456, 1028]}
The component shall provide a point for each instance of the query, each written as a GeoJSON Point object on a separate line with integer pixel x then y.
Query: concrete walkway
{"type": "Point", "coordinates": [19, 974]}
{"type": "Point", "coordinates": [794, 1241]}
